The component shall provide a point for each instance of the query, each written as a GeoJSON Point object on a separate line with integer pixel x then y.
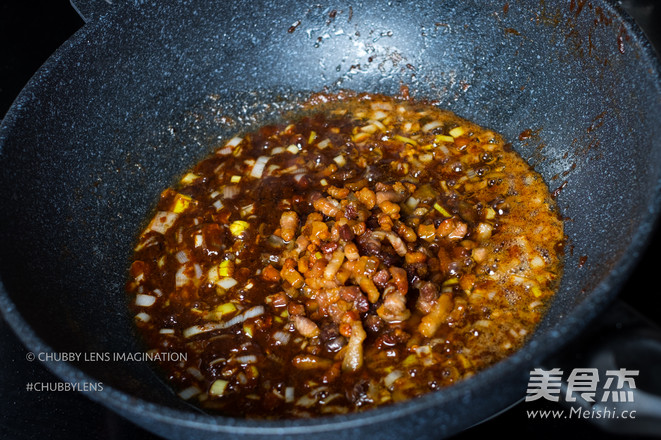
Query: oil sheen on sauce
{"type": "Point", "coordinates": [369, 251]}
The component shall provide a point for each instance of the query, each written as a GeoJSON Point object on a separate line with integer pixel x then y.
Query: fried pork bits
{"type": "Point", "coordinates": [370, 251]}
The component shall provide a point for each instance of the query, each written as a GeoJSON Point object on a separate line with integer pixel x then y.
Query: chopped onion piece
{"type": "Point", "coordinates": [142, 316]}
{"type": "Point", "coordinates": [181, 278]}
{"type": "Point", "coordinates": [201, 328]}
{"type": "Point", "coordinates": [230, 191]}
{"type": "Point", "coordinates": [199, 240]}
{"type": "Point", "coordinates": [289, 394]}
{"type": "Point", "coordinates": [340, 160]}
{"type": "Point", "coordinates": [146, 243]}
{"type": "Point", "coordinates": [234, 321]}
{"type": "Point", "coordinates": [247, 210]}
{"type": "Point", "coordinates": [218, 387]}
{"type": "Point", "coordinates": [195, 373]}
{"type": "Point", "coordinates": [412, 202]}
{"type": "Point", "coordinates": [431, 125]}
{"type": "Point", "coordinates": [246, 359]}
{"type": "Point", "coordinates": [426, 158]}
{"type": "Point", "coordinates": [258, 168]}
{"type": "Point", "coordinates": [198, 271]}
{"type": "Point", "coordinates": [182, 257]}
{"type": "Point", "coordinates": [166, 331]}
{"type": "Point", "coordinates": [142, 300]}
{"type": "Point", "coordinates": [189, 178]}
{"type": "Point", "coordinates": [391, 378]}
{"type": "Point", "coordinates": [163, 220]}
{"type": "Point", "coordinates": [457, 131]}
{"type": "Point", "coordinates": [236, 140]}
{"type": "Point", "coordinates": [254, 311]}
{"type": "Point", "coordinates": [306, 401]}
{"type": "Point", "coordinates": [189, 392]}
{"type": "Point", "coordinates": [227, 283]}
{"type": "Point", "coordinates": [281, 337]}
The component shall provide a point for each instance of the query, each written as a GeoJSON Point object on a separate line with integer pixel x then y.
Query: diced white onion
{"type": "Point", "coordinates": [289, 394]}
{"type": "Point", "coordinates": [236, 140]}
{"type": "Point", "coordinates": [391, 378]}
{"type": "Point", "coordinates": [202, 328]}
{"type": "Point", "coordinates": [238, 319]}
{"type": "Point", "coordinates": [247, 210]}
{"type": "Point", "coordinates": [181, 278]}
{"type": "Point", "coordinates": [281, 337]}
{"type": "Point", "coordinates": [422, 350]}
{"type": "Point", "coordinates": [340, 160]}
{"type": "Point", "coordinates": [146, 243]}
{"type": "Point", "coordinates": [254, 311]}
{"type": "Point", "coordinates": [198, 271]}
{"type": "Point", "coordinates": [163, 220]}
{"type": "Point", "coordinates": [426, 158]}
{"type": "Point", "coordinates": [142, 316]}
{"type": "Point", "coordinates": [306, 401]}
{"type": "Point", "coordinates": [166, 331]}
{"type": "Point", "coordinates": [246, 359]}
{"type": "Point", "coordinates": [230, 191]}
{"type": "Point", "coordinates": [444, 150]}
{"type": "Point", "coordinates": [210, 326]}
{"type": "Point", "coordinates": [199, 240]}
{"type": "Point", "coordinates": [189, 392]}
{"type": "Point", "coordinates": [195, 373]}
{"type": "Point", "coordinates": [431, 125]}
{"type": "Point", "coordinates": [181, 257]}
{"type": "Point", "coordinates": [227, 283]}
{"type": "Point", "coordinates": [412, 202]}
{"type": "Point", "coordinates": [260, 164]}
{"type": "Point", "coordinates": [142, 300]}
{"type": "Point", "coordinates": [379, 125]}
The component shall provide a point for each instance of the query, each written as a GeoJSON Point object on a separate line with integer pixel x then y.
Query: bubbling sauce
{"type": "Point", "coordinates": [370, 251]}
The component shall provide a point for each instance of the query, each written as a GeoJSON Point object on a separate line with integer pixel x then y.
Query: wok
{"type": "Point", "coordinates": [143, 91]}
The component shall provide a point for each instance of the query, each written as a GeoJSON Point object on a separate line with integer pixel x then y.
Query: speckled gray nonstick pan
{"type": "Point", "coordinates": [145, 90]}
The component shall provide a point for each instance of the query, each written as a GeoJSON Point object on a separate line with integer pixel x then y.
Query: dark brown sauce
{"type": "Point", "coordinates": [368, 252]}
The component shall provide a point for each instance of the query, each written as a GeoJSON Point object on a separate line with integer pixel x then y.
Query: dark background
{"type": "Point", "coordinates": [29, 32]}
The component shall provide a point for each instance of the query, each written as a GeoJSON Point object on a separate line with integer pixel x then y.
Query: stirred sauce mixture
{"type": "Point", "coordinates": [370, 251]}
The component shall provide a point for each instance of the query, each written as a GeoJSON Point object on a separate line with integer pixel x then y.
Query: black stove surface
{"type": "Point", "coordinates": [30, 32]}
